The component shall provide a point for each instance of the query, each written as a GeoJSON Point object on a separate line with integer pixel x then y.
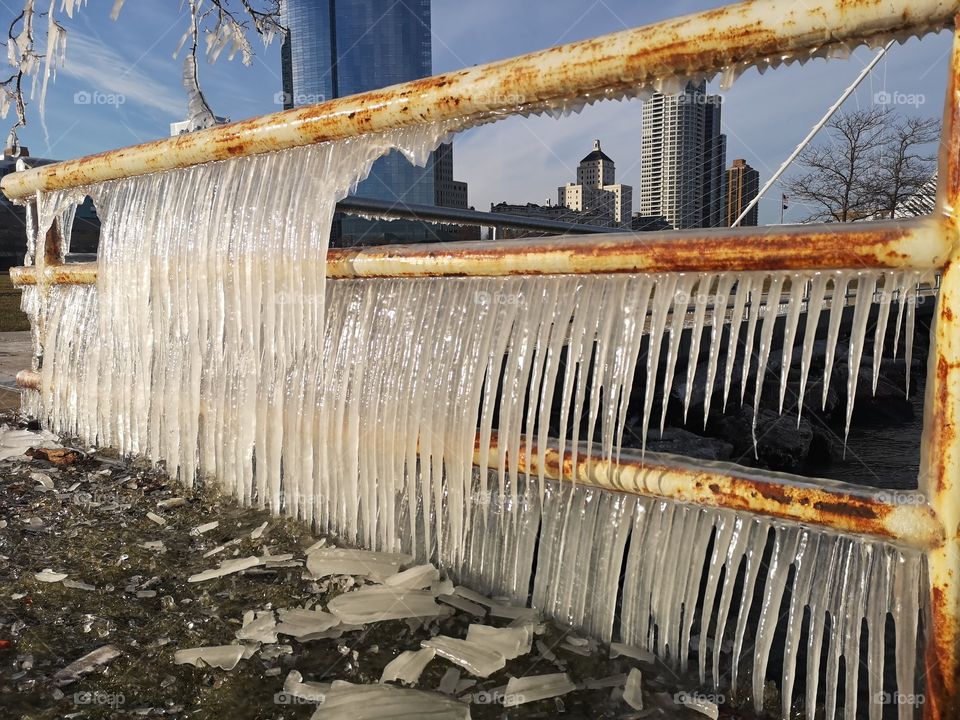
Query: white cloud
{"type": "Point", "coordinates": [108, 72]}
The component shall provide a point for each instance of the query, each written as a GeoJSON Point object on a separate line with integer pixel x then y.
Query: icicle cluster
{"type": "Point", "coordinates": [727, 590]}
{"type": "Point", "coordinates": [199, 349]}
{"type": "Point", "coordinates": [213, 344]}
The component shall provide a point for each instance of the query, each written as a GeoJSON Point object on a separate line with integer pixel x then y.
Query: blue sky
{"type": "Point", "coordinates": [517, 160]}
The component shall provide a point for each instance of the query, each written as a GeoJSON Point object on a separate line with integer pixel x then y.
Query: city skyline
{"type": "Point", "coordinates": [765, 116]}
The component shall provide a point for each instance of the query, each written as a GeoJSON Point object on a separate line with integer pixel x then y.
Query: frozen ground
{"type": "Point", "coordinates": [97, 556]}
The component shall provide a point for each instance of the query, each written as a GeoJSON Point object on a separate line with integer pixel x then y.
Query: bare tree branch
{"type": "Point", "coordinates": [223, 25]}
{"type": "Point", "coordinates": [902, 169]}
{"type": "Point", "coordinates": [869, 165]}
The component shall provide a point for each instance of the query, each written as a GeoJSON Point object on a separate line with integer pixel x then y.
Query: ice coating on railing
{"type": "Point", "coordinates": [212, 366]}
{"type": "Point", "coordinates": [212, 343]}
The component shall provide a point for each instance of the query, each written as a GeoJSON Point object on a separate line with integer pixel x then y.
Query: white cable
{"type": "Point", "coordinates": [814, 131]}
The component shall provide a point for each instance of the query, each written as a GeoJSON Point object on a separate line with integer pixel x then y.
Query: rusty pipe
{"type": "Point", "coordinates": [834, 505]}
{"type": "Point", "coordinates": [735, 37]}
{"type": "Point", "coordinates": [940, 450]}
{"type": "Point", "coordinates": [28, 380]}
{"type": "Point", "coordinates": [920, 243]}
{"type": "Point", "coordinates": [837, 506]}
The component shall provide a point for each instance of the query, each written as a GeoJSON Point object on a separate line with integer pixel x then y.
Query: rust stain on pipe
{"type": "Point", "coordinates": [917, 243]}
{"type": "Point", "coordinates": [738, 35]}
{"type": "Point", "coordinates": [28, 380]}
{"type": "Point", "coordinates": [836, 506]}
{"type": "Point", "coordinates": [940, 451]}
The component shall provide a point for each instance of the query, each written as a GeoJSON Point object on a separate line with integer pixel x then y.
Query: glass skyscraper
{"type": "Point", "coordinates": [341, 47]}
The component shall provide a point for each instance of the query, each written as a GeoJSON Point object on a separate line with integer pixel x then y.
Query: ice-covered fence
{"type": "Point", "coordinates": [207, 337]}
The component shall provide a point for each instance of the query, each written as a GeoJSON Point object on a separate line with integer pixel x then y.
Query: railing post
{"type": "Point", "coordinates": [940, 449]}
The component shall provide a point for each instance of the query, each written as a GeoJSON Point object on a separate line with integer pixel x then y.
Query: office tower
{"type": "Point", "coordinates": [683, 155]}
{"type": "Point", "coordinates": [743, 183]}
{"type": "Point", "coordinates": [447, 191]}
{"type": "Point", "coordinates": [336, 48]}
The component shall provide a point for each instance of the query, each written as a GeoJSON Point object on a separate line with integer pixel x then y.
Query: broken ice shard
{"type": "Point", "coordinates": [345, 701]}
{"type": "Point", "coordinates": [536, 687]}
{"type": "Point", "coordinates": [475, 658]}
{"type": "Point", "coordinates": [339, 561]}
{"type": "Point", "coordinates": [408, 666]}
{"type": "Point", "coordinates": [225, 657]}
{"type": "Point", "coordinates": [379, 603]}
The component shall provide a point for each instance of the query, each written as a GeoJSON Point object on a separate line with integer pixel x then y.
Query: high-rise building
{"type": "Point", "coordinates": [447, 191]}
{"type": "Point", "coordinates": [683, 155]}
{"type": "Point", "coordinates": [596, 189]}
{"type": "Point", "coordinates": [336, 48]}
{"type": "Point", "coordinates": [743, 184]}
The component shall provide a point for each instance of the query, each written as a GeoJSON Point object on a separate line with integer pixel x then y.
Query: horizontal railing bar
{"type": "Point", "coordinates": [841, 507]}
{"type": "Point", "coordinates": [461, 216]}
{"type": "Point", "coordinates": [921, 243]}
{"type": "Point", "coordinates": [612, 65]}
{"type": "Point", "coordinates": [77, 273]}
{"type": "Point", "coordinates": [918, 243]}
{"type": "Point", "coordinates": [28, 380]}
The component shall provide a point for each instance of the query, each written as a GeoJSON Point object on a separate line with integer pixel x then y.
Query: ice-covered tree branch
{"type": "Point", "coordinates": [217, 25]}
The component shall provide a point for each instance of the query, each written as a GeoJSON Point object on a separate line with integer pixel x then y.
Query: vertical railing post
{"type": "Point", "coordinates": [940, 448]}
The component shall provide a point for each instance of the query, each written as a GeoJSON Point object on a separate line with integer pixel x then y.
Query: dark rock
{"type": "Point", "coordinates": [781, 443]}
{"type": "Point", "coordinates": [678, 441]}
{"type": "Point", "coordinates": [888, 405]}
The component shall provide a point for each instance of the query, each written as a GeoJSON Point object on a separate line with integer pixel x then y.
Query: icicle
{"type": "Point", "coordinates": [866, 284]}
{"type": "Point", "coordinates": [702, 298]}
{"type": "Point", "coordinates": [814, 308]}
{"type": "Point", "coordinates": [663, 298]}
{"type": "Point", "coordinates": [753, 314]}
{"type": "Point", "coordinates": [911, 301]}
{"type": "Point", "coordinates": [838, 300]}
{"type": "Point", "coordinates": [766, 336]}
{"type": "Point", "coordinates": [883, 314]}
{"type": "Point", "coordinates": [717, 321]}
{"type": "Point", "coordinates": [680, 304]}
{"type": "Point", "coordinates": [798, 285]}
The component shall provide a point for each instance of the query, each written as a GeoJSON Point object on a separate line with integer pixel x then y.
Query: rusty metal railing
{"type": "Point", "coordinates": [729, 39]}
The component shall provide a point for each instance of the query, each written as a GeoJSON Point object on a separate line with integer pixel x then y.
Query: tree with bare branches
{"type": "Point", "coordinates": [34, 57]}
{"type": "Point", "coordinates": [870, 165]}
{"type": "Point", "coordinates": [903, 168]}
{"type": "Point", "coordinates": [835, 180]}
